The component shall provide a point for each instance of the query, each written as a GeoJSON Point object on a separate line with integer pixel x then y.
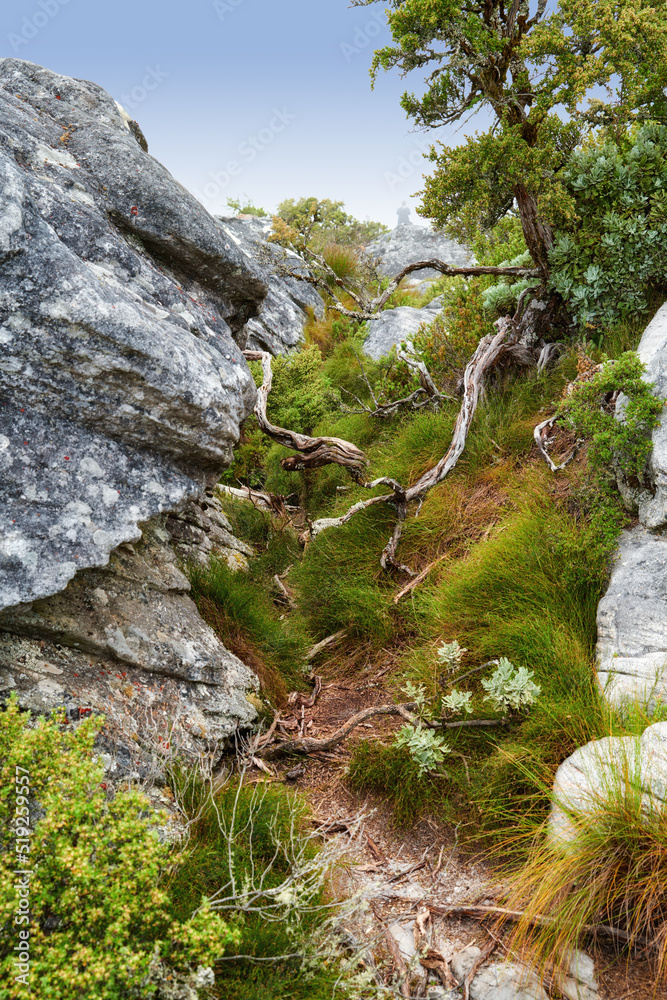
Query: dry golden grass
{"type": "Point", "coordinates": [612, 871]}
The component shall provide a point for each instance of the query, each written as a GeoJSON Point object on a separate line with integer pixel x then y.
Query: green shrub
{"type": "Point", "coordinates": [98, 913]}
{"type": "Point", "coordinates": [624, 443]}
{"type": "Point", "coordinates": [604, 268]}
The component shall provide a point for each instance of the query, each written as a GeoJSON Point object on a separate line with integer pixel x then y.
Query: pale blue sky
{"type": "Point", "coordinates": [261, 97]}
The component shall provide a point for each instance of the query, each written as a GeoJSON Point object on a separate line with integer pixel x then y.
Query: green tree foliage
{"type": "Point", "coordinates": [605, 266]}
{"type": "Point", "coordinates": [244, 206]}
{"type": "Point", "coordinates": [538, 73]}
{"type": "Point", "coordinates": [320, 221]}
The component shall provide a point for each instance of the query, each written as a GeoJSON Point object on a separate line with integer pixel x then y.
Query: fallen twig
{"type": "Point", "coordinates": [418, 579]}
{"type": "Point", "coordinates": [541, 442]}
{"type": "Point", "coordinates": [324, 644]}
{"type": "Point", "coordinates": [481, 912]}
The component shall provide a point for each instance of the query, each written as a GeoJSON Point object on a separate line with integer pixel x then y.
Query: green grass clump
{"type": "Point", "coordinates": [258, 836]}
{"type": "Point", "coordinates": [391, 771]}
{"type": "Point", "coordinates": [239, 609]}
{"type": "Point", "coordinates": [337, 582]}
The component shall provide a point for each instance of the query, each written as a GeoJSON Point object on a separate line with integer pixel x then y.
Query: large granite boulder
{"type": "Point", "coordinates": [282, 318]}
{"type": "Point", "coordinates": [394, 325]}
{"type": "Point", "coordinates": [126, 640]}
{"type": "Point", "coordinates": [632, 622]}
{"type": "Point", "coordinates": [632, 616]}
{"type": "Point", "coordinates": [121, 386]}
{"type": "Point", "coordinates": [408, 243]}
{"type": "Point", "coordinates": [605, 769]}
{"type": "Point", "coordinates": [122, 389]}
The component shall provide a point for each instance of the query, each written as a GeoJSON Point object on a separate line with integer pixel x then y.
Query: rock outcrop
{"type": "Point", "coordinates": [122, 389]}
{"type": "Point", "coordinates": [394, 325]}
{"type": "Point", "coordinates": [126, 640]}
{"type": "Point", "coordinates": [605, 770]}
{"type": "Point", "coordinates": [282, 318]}
{"type": "Point", "coordinates": [632, 616]}
{"type": "Point", "coordinates": [408, 243]}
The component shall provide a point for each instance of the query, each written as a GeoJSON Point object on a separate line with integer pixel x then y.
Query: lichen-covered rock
{"type": "Point", "coordinates": [121, 386]}
{"type": "Point", "coordinates": [602, 771]}
{"type": "Point", "coordinates": [201, 529]}
{"type": "Point", "coordinates": [281, 321]}
{"type": "Point", "coordinates": [126, 640]}
{"type": "Point", "coordinates": [632, 622]}
{"type": "Point", "coordinates": [394, 325]}
{"type": "Point", "coordinates": [632, 616]}
{"type": "Point", "coordinates": [408, 243]}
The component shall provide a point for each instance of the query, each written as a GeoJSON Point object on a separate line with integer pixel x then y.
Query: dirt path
{"type": "Point", "coordinates": [402, 871]}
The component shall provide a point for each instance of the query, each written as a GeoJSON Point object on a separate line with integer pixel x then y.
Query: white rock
{"type": "Point", "coordinates": [604, 767]}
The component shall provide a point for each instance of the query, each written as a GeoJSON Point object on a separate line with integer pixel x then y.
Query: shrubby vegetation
{"type": "Point", "coordinates": [102, 920]}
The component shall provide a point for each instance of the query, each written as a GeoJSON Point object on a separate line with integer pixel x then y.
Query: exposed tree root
{"type": "Point", "coordinates": [482, 912]}
{"type": "Point", "coordinates": [308, 744]}
{"type": "Point", "coordinates": [312, 452]}
{"type": "Point", "coordinates": [540, 434]}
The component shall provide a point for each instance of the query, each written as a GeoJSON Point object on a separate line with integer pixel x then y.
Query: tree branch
{"type": "Point", "coordinates": [309, 744]}
{"type": "Point", "coordinates": [313, 452]}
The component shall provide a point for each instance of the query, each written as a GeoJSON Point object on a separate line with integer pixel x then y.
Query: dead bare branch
{"type": "Point", "coordinates": [309, 744]}
{"type": "Point", "coordinates": [482, 912]}
{"type": "Point", "coordinates": [313, 453]}
{"type": "Point", "coordinates": [541, 440]}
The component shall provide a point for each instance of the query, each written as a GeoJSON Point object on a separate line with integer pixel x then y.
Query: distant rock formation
{"type": "Point", "coordinates": [408, 243]}
{"type": "Point", "coordinates": [632, 616]}
{"type": "Point", "coordinates": [282, 318]}
{"type": "Point", "coordinates": [122, 389]}
{"type": "Point", "coordinates": [394, 325]}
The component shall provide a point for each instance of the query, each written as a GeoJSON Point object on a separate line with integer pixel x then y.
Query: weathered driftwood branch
{"type": "Point", "coordinates": [309, 744]}
{"type": "Point", "coordinates": [482, 912]}
{"type": "Point", "coordinates": [272, 503]}
{"type": "Point", "coordinates": [369, 309]}
{"type": "Point", "coordinates": [413, 361]}
{"type": "Point", "coordinates": [312, 452]}
{"type": "Point", "coordinates": [540, 434]}
{"type": "Point", "coordinates": [490, 351]}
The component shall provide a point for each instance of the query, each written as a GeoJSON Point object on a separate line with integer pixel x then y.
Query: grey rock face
{"type": "Point", "coordinates": [605, 768]}
{"type": "Point", "coordinates": [121, 386]}
{"type": "Point", "coordinates": [653, 352]}
{"type": "Point", "coordinates": [408, 244]}
{"type": "Point", "coordinates": [632, 616]}
{"type": "Point", "coordinates": [202, 529]}
{"type": "Point", "coordinates": [394, 325]}
{"type": "Point", "coordinates": [280, 324]}
{"type": "Point", "coordinates": [126, 640]}
{"type": "Point", "coordinates": [632, 622]}
{"type": "Point", "coordinates": [496, 980]}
